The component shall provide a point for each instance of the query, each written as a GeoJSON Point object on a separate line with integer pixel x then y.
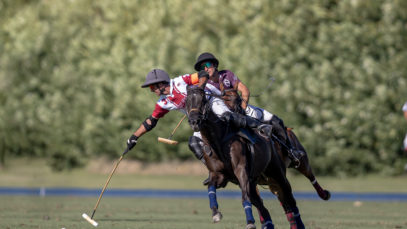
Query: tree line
{"type": "Point", "coordinates": [70, 75]}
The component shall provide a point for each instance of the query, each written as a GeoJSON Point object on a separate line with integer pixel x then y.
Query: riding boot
{"type": "Point", "coordinates": [280, 131]}
{"type": "Point", "coordinates": [197, 146]}
{"type": "Point", "coordinates": [244, 121]}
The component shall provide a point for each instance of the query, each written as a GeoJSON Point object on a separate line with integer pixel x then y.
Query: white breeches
{"type": "Point", "coordinates": [258, 113]}
{"type": "Point", "coordinates": [219, 108]}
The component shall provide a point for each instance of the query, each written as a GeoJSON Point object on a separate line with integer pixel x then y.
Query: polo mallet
{"type": "Point", "coordinates": [168, 140]}
{"type": "Point", "coordinates": [84, 215]}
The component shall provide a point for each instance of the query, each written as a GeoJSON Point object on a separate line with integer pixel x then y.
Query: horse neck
{"type": "Point", "coordinates": [214, 130]}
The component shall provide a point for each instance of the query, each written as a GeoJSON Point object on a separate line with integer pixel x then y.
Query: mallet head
{"type": "Point", "coordinates": [91, 221]}
{"type": "Point", "coordinates": [167, 141]}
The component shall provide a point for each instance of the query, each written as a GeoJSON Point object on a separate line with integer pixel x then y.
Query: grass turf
{"type": "Point", "coordinates": [35, 173]}
{"type": "Point", "coordinates": [65, 212]}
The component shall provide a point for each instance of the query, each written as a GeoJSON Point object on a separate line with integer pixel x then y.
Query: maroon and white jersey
{"type": "Point", "coordinates": [228, 78]}
{"type": "Point", "coordinates": [231, 81]}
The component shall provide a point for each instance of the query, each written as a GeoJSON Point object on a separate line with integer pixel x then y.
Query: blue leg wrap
{"type": "Point", "coordinates": [248, 210]}
{"type": "Point", "coordinates": [295, 210]}
{"type": "Point", "coordinates": [212, 197]}
{"type": "Point", "coordinates": [267, 225]}
{"type": "Point", "coordinates": [298, 219]}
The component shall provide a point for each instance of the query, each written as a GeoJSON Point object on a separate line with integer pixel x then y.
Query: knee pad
{"type": "Point", "coordinates": [195, 145]}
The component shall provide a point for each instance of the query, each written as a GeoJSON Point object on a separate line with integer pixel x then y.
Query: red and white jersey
{"type": "Point", "coordinates": [178, 93]}
{"type": "Point", "coordinates": [176, 99]}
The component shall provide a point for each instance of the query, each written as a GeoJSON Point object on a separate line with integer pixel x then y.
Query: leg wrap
{"type": "Point", "coordinates": [213, 203]}
{"type": "Point", "coordinates": [248, 210]}
{"type": "Point", "coordinates": [297, 217]}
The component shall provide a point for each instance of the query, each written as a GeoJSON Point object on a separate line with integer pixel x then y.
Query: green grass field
{"type": "Point", "coordinates": [65, 212]}
{"type": "Point", "coordinates": [35, 173]}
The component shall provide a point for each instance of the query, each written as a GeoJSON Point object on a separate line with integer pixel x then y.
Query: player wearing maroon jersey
{"type": "Point", "coordinates": [226, 79]}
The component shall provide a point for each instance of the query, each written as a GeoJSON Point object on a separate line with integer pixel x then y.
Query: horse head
{"type": "Point", "coordinates": [195, 107]}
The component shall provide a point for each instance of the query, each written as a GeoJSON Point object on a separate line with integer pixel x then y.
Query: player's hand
{"type": "Point", "coordinates": [132, 141]}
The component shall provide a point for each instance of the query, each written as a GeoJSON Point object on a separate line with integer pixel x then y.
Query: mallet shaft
{"type": "Point", "coordinates": [179, 123]}
{"type": "Point", "coordinates": [104, 188]}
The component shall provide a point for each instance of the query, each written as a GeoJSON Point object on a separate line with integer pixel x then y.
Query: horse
{"type": "Point", "coordinates": [233, 160]}
{"type": "Point", "coordinates": [233, 101]}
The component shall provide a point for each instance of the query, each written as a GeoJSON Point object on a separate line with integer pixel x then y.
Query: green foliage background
{"type": "Point", "coordinates": [71, 70]}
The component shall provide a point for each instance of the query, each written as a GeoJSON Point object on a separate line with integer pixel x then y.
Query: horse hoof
{"type": "Point", "coordinates": [327, 195]}
{"type": "Point", "coordinates": [267, 225]}
{"type": "Point", "coordinates": [217, 217]}
{"type": "Point", "coordinates": [250, 226]}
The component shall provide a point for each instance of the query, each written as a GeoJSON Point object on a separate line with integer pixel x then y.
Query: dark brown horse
{"type": "Point", "coordinates": [233, 101]}
{"type": "Point", "coordinates": [241, 161]}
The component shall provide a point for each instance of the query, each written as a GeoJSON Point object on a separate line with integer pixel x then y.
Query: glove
{"type": "Point", "coordinates": [132, 141]}
{"type": "Point", "coordinates": [202, 73]}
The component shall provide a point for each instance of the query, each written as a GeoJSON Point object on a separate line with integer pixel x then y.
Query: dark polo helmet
{"type": "Point", "coordinates": [156, 76]}
{"type": "Point", "coordinates": [206, 56]}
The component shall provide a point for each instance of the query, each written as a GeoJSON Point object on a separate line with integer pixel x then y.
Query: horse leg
{"type": "Point", "coordinates": [292, 213]}
{"type": "Point", "coordinates": [214, 180]}
{"type": "Point", "coordinates": [305, 167]}
{"type": "Point", "coordinates": [306, 170]}
{"type": "Point", "coordinates": [264, 214]}
{"type": "Point", "coordinates": [213, 203]}
{"type": "Point", "coordinates": [258, 211]}
{"type": "Point", "coordinates": [322, 193]}
{"type": "Point", "coordinates": [278, 181]}
{"type": "Point", "coordinates": [247, 205]}
{"type": "Point", "coordinates": [239, 169]}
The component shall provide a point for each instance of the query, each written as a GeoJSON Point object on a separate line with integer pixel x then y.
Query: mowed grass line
{"type": "Point", "coordinates": [36, 173]}
{"type": "Point", "coordinates": [65, 212]}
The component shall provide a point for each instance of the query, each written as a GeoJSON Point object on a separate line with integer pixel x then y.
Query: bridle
{"type": "Point", "coordinates": [202, 111]}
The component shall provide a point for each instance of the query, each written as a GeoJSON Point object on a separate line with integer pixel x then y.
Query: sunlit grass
{"type": "Point", "coordinates": [59, 212]}
{"type": "Point", "coordinates": [35, 173]}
